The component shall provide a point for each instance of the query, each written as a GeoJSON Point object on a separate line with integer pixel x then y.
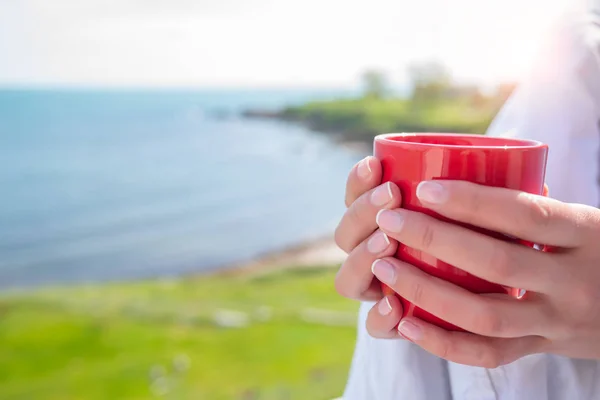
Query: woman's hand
{"type": "Point", "coordinates": [561, 311]}
{"type": "Point", "coordinates": [357, 235]}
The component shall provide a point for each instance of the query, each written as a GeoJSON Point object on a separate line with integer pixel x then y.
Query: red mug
{"type": "Point", "coordinates": [410, 158]}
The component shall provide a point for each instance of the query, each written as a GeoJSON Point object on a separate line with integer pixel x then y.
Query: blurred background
{"type": "Point", "coordinates": [171, 174]}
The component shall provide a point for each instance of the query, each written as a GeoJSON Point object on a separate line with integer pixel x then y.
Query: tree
{"type": "Point", "coordinates": [375, 84]}
{"type": "Point", "coordinates": [430, 80]}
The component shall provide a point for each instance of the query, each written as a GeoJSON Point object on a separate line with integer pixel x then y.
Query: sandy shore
{"type": "Point", "coordinates": [316, 253]}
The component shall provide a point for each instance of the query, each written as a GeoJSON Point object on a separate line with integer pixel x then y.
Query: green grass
{"type": "Point", "coordinates": [159, 339]}
{"type": "Point", "coordinates": [360, 119]}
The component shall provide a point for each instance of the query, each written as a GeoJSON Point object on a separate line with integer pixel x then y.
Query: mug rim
{"type": "Point", "coordinates": [505, 142]}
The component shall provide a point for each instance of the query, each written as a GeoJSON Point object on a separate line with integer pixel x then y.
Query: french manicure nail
{"type": "Point", "coordinates": [363, 170]}
{"type": "Point", "coordinates": [384, 307]}
{"type": "Point", "coordinates": [384, 271]}
{"type": "Point", "coordinates": [391, 221]}
{"type": "Point", "coordinates": [382, 195]}
{"type": "Point", "coordinates": [410, 330]}
{"type": "Point", "coordinates": [432, 192]}
{"type": "Point", "coordinates": [378, 243]}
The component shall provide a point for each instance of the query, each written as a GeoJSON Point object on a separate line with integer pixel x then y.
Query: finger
{"type": "Point", "coordinates": [354, 278]}
{"type": "Point", "coordinates": [491, 259]}
{"type": "Point", "coordinates": [467, 348]}
{"type": "Point", "coordinates": [364, 176]}
{"type": "Point", "coordinates": [497, 316]}
{"type": "Point", "coordinates": [522, 215]}
{"type": "Point", "coordinates": [358, 221]}
{"type": "Point", "coordinates": [384, 317]}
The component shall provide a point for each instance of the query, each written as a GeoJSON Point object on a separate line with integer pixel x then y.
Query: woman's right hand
{"type": "Point", "coordinates": [357, 234]}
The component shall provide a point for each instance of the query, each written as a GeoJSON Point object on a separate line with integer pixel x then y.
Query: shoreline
{"type": "Point", "coordinates": [358, 141]}
{"type": "Point", "coordinates": [317, 253]}
{"type": "Point", "coordinates": [361, 144]}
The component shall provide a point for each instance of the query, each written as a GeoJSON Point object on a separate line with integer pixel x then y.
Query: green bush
{"type": "Point", "coordinates": [365, 117]}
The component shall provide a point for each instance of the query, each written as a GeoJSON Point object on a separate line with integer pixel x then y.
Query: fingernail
{"type": "Point", "coordinates": [382, 195]}
{"type": "Point", "coordinates": [391, 221]}
{"type": "Point", "coordinates": [410, 330]}
{"type": "Point", "coordinates": [432, 192]}
{"type": "Point", "coordinates": [378, 242]}
{"type": "Point", "coordinates": [384, 271]}
{"type": "Point", "coordinates": [384, 306]}
{"type": "Point", "coordinates": [363, 170]}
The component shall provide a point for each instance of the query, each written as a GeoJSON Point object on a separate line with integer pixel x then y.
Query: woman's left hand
{"type": "Point", "coordinates": [560, 313]}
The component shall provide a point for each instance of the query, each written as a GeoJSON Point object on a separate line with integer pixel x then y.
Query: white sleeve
{"type": "Point", "coordinates": [359, 385]}
{"type": "Point", "coordinates": [393, 369]}
{"type": "Point", "coordinates": [559, 104]}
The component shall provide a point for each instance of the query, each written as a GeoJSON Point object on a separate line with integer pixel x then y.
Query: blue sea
{"type": "Point", "coordinates": [116, 185]}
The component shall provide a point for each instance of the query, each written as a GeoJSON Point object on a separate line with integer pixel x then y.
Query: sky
{"type": "Point", "coordinates": [263, 43]}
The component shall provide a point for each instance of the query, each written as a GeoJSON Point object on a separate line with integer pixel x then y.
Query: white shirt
{"type": "Point", "coordinates": [559, 104]}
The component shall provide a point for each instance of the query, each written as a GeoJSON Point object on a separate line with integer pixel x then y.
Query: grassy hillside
{"type": "Point", "coordinates": [362, 118]}
{"type": "Point", "coordinates": [283, 335]}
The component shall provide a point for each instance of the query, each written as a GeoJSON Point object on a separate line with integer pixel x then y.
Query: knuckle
{"type": "Point", "coordinates": [487, 357]}
{"type": "Point", "coordinates": [474, 204]}
{"type": "Point", "coordinates": [347, 200]}
{"type": "Point", "coordinates": [427, 236]}
{"type": "Point", "coordinates": [490, 358]}
{"type": "Point", "coordinates": [487, 321]}
{"type": "Point", "coordinates": [501, 264]}
{"type": "Point", "coordinates": [586, 226]}
{"type": "Point", "coordinates": [376, 327]}
{"type": "Point", "coordinates": [586, 297]}
{"type": "Point", "coordinates": [416, 292]}
{"type": "Point", "coordinates": [446, 350]}
{"type": "Point", "coordinates": [353, 214]}
{"type": "Point", "coordinates": [539, 212]}
{"type": "Point", "coordinates": [372, 330]}
{"type": "Point", "coordinates": [339, 238]}
{"type": "Point", "coordinates": [351, 186]}
{"type": "Point", "coordinates": [341, 287]}
{"type": "Point", "coordinates": [344, 235]}
{"type": "Point", "coordinates": [468, 204]}
{"type": "Point", "coordinates": [354, 220]}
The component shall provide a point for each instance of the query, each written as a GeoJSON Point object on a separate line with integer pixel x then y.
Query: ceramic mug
{"type": "Point", "coordinates": [410, 158]}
